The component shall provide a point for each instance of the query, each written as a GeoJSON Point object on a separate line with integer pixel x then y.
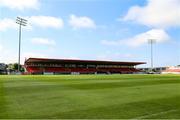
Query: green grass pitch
{"type": "Point", "coordinates": [90, 96]}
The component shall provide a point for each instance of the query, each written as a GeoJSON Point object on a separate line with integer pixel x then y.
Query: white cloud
{"type": "Point", "coordinates": [27, 55]}
{"type": "Point", "coordinates": [81, 22]}
{"type": "Point", "coordinates": [20, 4]}
{"type": "Point", "coordinates": [158, 35]}
{"type": "Point", "coordinates": [7, 23]}
{"type": "Point", "coordinates": [1, 48]}
{"type": "Point", "coordinates": [43, 41]}
{"type": "Point", "coordinates": [46, 21]}
{"type": "Point", "coordinates": [40, 21]}
{"type": "Point", "coordinates": [7, 56]}
{"type": "Point", "coordinates": [115, 56]}
{"type": "Point", "coordinates": [157, 13]}
{"type": "Point", "coordinates": [11, 56]}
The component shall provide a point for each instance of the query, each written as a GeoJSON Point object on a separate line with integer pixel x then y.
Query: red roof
{"type": "Point", "coordinates": [73, 61]}
{"type": "Point", "coordinates": [173, 70]}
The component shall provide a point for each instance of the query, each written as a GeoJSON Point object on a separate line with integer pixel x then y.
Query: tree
{"type": "Point", "coordinates": [14, 67]}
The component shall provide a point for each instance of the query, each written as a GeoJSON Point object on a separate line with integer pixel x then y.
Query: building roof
{"type": "Point", "coordinates": [75, 61]}
{"type": "Point", "coordinates": [173, 69]}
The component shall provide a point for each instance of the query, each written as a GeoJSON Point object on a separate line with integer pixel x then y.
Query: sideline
{"type": "Point", "coordinates": [155, 114]}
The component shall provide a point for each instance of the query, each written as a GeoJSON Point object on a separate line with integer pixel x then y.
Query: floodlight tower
{"type": "Point", "coordinates": [21, 22]}
{"type": "Point", "coordinates": [151, 42]}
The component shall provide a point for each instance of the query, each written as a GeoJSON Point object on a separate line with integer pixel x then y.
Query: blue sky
{"type": "Point", "coordinates": [92, 29]}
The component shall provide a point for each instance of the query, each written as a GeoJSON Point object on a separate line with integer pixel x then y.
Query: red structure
{"type": "Point", "coordinates": [69, 66]}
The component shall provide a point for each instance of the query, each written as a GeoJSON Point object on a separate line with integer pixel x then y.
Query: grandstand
{"type": "Point", "coordinates": [69, 66]}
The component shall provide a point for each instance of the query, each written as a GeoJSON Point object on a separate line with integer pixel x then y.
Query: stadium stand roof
{"type": "Point", "coordinates": [46, 60]}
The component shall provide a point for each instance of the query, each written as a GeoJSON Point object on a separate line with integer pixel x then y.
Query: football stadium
{"type": "Point", "coordinates": [90, 59]}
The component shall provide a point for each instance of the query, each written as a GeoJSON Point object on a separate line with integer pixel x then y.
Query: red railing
{"type": "Point", "coordinates": [80, 70]}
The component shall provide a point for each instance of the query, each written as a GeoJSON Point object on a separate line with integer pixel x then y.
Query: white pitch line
{"type": "Point", "coordinates": [155, 114]}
